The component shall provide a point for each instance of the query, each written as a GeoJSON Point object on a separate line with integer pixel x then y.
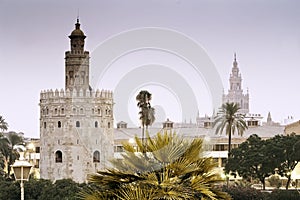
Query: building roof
{"type": "Point", "coordinates": [200, 132]}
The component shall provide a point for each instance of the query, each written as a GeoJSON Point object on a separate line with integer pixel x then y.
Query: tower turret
{"type": "Point", "coordinates": [235, 77]}
{"type": "Point", "coordinates": [235, 92]}
{"type": "Point", "coordinates": [77, 39]}
{"type": "Point", "coordinates": [77, 62]}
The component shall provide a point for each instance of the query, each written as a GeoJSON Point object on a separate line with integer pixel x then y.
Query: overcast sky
{"type": "Point", "coordinates": [264, 34]}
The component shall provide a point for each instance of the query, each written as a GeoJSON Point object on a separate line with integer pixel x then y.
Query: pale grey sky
{"type": "Point", "coordinates": [264, 34]}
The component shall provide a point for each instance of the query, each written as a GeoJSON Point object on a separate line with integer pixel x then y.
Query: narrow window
{"type": "Point", "coordinates": [59, 124]}
{"type": "Point", "coordinates": [62, 111]}
{"type": "Point", "coordinates": [96, 124]}
{"type": "Point", "coordinates": [96, 156]}
{"type": "Point", "coordinates": [77, 141]}
{"type": "Point", "coordinates": [93, 111]}
{"type": "Point", "coordinates": [81, 110]}
{"type": "Point", "coordinates": [45, 125]}
{"type": "Point", "coordinates": [58, 157]}
{"type": "Point", "coordinates": [55, 111]}
{"type": "Point", "coordinates": [77, 124]}
{"type": "Point", "coordinates": [99, 111]}
{"type": "Point", "coordinates": [74, 110]}
{"type": "Point", "coordinates": [77, 157]}
{"type": "Point", "coordinates": [108, 124]}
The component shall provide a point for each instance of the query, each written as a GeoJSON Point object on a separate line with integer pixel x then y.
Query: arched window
{"type": "Point", "coordinates": [47, 111]}
{"type": "Point", "coordinates": [59, 124]}
{"type": "Point", "coordinates": [93, 111]}
{"type": "Point", "coordinates": [96, 156]}
{"type": "Point", "coordinates": [62, 111]}
{"type": "Point", "coordinates": [45, 125]}
{"type": "Point", "coordinates": [81, 110]}
{"type": "Point", "coordinates": [96, 124]}
{"type": "Point", "coordinates": [74, 110]}
{"type": "Point", "coordinates": [99, 111]}
{"type": "Point", "coordinates": [108, 124]}
{"type": "Point", "coordinates": [55, 111]}
{"type": "Point", "coordinates": [77, 124]}
{"type": "Point", "coordinates": [58, 157]}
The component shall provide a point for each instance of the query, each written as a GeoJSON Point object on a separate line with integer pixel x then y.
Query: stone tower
{"type": "Point", "coordinates": [76, 124]}
{"type": "Point", "coordinates": [235, 93]}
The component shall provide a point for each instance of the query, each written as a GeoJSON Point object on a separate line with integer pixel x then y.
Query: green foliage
{"type": "Point", "coordinates": [166, 167]}
{"type": "Point", "coordinates": [8, 153]}
{"type": "Point", "coordinates": [34, 189]}
{"type": "Point", "coordinates": [244, 193]}
{"type": "Point", "coordinates": [287, 147]}
{"type": "Point", "coordinates": [284, 194]}
{"type": "Point", "coordinates": [9, 190]}
{"type": "Point", "coordinates": [65, 189]}
{"type": "Point", "coordinates": [3, 124]}
{"type": "Point", "coordinates": [41, 189]}
{"type": "Point", "coordinates": [249, 160]}
{"type": "Point", "coordinates": [275, 181]}
{"type": "Point", "coordinates": [146, 111]}
{"type": "Point", "coordinates": [230, 120]}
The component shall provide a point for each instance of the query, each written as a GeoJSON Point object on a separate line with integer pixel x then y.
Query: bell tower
{"type": "Point", "coordinates": [77, 62]}
{"type": "Point", "coordinates": [235, 92]}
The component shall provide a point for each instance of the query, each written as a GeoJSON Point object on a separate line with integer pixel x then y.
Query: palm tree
{"type": "Point", "coordinates": [4, 146]}
{"type": "Point", "coordinates": [231, 120]}
{"type": "Point", "coordinates": [172, 168]}
{"type": "Point", "coordinates": [146, 111]}
{"type": "Point", "coordinates": [3, 124]}
{"type": "Point", "coordinates": [8, 150]}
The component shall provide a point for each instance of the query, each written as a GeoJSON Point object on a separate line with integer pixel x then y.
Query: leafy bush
{"type": "Point", "coordinates": [275, 181]}
{"type": "Point", "coordinates": [244, 193]}
{"type": "Point", "coordinates": [284, 195]}
{"type": "Point", "coordinates": [9, 190]}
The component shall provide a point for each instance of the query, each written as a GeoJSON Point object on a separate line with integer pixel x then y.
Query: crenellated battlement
{"type": "Point", "coordinates": [50, 94]}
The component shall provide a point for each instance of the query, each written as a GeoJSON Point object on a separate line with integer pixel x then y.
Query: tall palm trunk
{"type": "Point", "coordinates": [229, 141]}
{"type": "Point", "coordinates": [143, 135]}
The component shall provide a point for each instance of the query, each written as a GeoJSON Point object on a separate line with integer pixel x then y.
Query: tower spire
{"type": "Point", "coordinates": [234, 61]}
{"type": "Point", "coordinates": [78, 15]}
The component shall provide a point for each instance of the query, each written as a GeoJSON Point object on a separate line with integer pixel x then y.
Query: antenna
{"type": "Point", "coordinates": [77, 15]}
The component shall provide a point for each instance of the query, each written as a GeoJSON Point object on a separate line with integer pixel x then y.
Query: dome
{"type": "Point", "coordinates": [77, 32]}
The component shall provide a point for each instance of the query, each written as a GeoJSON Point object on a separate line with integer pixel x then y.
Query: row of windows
{"type": "Point", "coordinates": [59, 157]}
{"type": "Point", "coordinates": [223, 147]}
{"type": "Point", "coordinates": [77, 124]}
{"type": "Point", "coordinates": [75, 111]}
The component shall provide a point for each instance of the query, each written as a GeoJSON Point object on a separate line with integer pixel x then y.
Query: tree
{"type": "Point", "coordinates": [8, 150]}
{"type": "Point", "coordinates": [4, 150]}
{"type": "Point", "coordinates": [249, 159]}
{"type": "Point", "coordinates": [172, 168]}
{"type": "Point", "coordinates": [288, 150]}
{"type": "Point", "coordinates": [146, 111]}
{"type": "Point", "coordinates": [64, 189]}
{"type": "Point", "coordinates": [3, 143]}
{"type": "Point", "coordinates": [231, 120]}
{"type": "Point", "coordinates": [3, 124]}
